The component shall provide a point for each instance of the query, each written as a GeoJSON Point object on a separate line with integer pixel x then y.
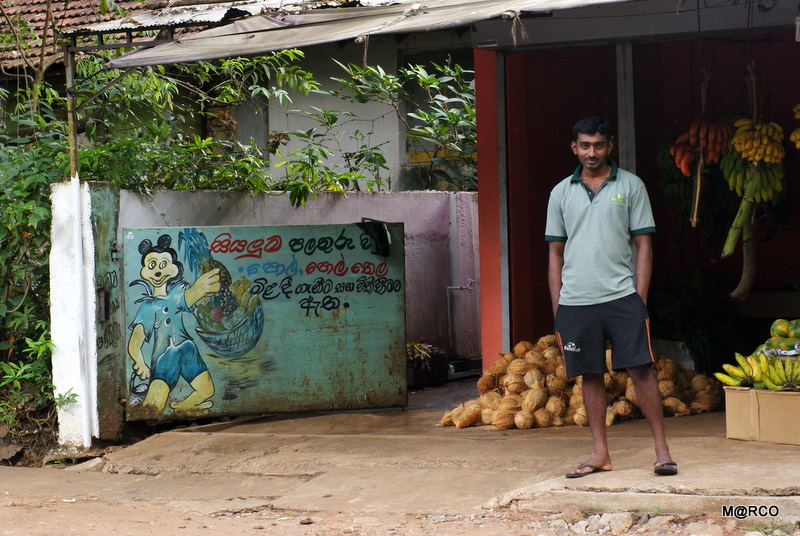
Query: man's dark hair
{"type": "Point", "coordinates": [591, 125]}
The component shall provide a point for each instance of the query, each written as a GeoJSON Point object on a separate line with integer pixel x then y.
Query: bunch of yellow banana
{"type": "Point", "coordinates": [748, 373]}
{"type": "Point", "coordinates": [759, 141]}
{"type": "Point", "coordinates": [782, 373]}
{"type": "Point", "coordinates": [794, 137]}
{"type": "Point", "coordinates": [768, 175]}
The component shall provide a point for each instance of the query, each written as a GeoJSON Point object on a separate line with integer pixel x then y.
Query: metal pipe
{"type": "Point", "coordinates": [467, 287]}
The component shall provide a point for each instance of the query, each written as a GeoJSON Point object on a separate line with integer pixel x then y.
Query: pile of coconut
{"type": "Point", "coordinates": [529, 388]}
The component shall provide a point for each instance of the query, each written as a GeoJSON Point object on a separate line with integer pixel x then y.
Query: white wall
{"type": "Point", "coordinates": [75, 354]}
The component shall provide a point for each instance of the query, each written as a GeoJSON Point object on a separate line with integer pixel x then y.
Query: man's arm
{"type": "Point", "coordinates": [644, 264]}
{"type": "Point", "coordinates": [554, 265]}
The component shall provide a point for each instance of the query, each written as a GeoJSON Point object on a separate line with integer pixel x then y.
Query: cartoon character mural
{"type": "Point", "coordinates": [159, 321]}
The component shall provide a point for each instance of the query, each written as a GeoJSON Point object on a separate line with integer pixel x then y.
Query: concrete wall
{"type": "Point", "coordinates": [441, 243]}
{"type": "Point", "coordinates": [442, 288]}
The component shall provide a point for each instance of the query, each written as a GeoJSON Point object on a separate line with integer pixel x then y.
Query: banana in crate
{"type": "Point", "coordinates": [775, 365]}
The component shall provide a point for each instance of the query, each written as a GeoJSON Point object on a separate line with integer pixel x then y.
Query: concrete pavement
{"type": "Point", "coordinates": [402, 461]}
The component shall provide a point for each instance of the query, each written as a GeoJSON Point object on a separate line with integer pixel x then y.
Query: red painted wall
{"type": "Point", "coordinates": [548, 91]}
{"type": "Point", "coordinates": [489, 205]}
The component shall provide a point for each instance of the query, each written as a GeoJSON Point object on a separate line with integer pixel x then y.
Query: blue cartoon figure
{"type": "Point", "coordinates": [159, 322]}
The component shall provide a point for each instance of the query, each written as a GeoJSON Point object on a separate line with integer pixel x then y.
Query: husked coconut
{"type": "Point", "coordinates": [487, 415]}
{"type": "Point", "coordinates": [534, 399]}
{"type": "Point", "coordinates": [534, 378]}
{"type": "Point", "coordinates": [521, 347]}
{"type": "Point", "coordinates": [667, 388]}
{"type": "Point", "coordinates": [622, 408]}
{"type": "Point", "coordinates": [630, 393]}
{"type": "Point", "coordinates": [519, 367]}
{"type": "Point", "coordinates": [513, 383]}
{"type": "Point", "coordinates": [555, 405]}
{"type": "Point", "coordinates": [504, 418]}
{"type": "Point", "coordinates": [535, 358]}
{"type": "Point", "coordinates": [469, 416]}
{"type": "Point", "coordinates": [699, 383]}
{"type": "Point", "coordinates": [610, 416]}
{"type": "Point", "coordinates": [555, 384]}
{"type": "Point", "coordinates": [508, 357]}
{"type": "Point", "coordinates": [549, 340]}
{"type": "Point", "coordinates": [705, 401]}
{"type": "Point", "coordinates": [511, 401]}
{"type": "Point", "coordinates": [552, 354]}
{"type": "Point", "coordinates": [674, 406]}
{"type": "Point", "coordinates": [569, 417]}
{"type": "Point", "coordinates": [524, 419]}
{"type": "Point", "coordinates": [575, 399]}
{"type": "Point", "coordinates": [580, 417]}
{"type": "Point", "coordinates": [449, 418]}
{"type": "Point", "coordinates": [543, 418]}
{"type": "Point", "coordinates": [666, 369]}
{"type": "Point", "coordinates": [498, 369]}
{"type": "Point", "coordinates": [486, 383]}
{"type": "Point", "coordinates": [490, 399]}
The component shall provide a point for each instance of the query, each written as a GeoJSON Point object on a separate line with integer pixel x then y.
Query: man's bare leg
{"type": "Point", "coordinates": [594, 399]}
{"type": "Point", "coordinates": [649, 396]}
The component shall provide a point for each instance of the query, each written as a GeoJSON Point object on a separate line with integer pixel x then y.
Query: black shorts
{"type": "Point", "coordinates": [582, 332]}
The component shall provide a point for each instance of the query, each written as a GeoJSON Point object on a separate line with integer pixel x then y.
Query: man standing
{"type": "Point", "coordinates": [599, 224]}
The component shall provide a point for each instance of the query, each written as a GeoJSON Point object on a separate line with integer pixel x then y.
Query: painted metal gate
{"type": "Point", "coordinates": [252, 319]}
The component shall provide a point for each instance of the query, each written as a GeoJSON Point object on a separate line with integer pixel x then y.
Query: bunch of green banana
{"type": "Point", "coordinates": [768, 175]}
{"type": "Point", "coordinates": [782, 373]}
{"type": "Point", "coordinates": [759, 141]}
{"type": "Point", "coordinates": [676, 187]}
{"type": "Point", "coordinates": [748, 373]}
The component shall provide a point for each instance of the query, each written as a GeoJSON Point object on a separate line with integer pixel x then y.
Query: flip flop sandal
{"type": "Point", "coordinates": [592, 469]}
{"type": "Point", "coordinates": [666, 469]}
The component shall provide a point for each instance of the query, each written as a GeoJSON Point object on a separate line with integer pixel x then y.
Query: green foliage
{"type": "Point", "coordinates": [444, 126]}
{"type": "Point", "coordinates": [310, 168]}
{"type": "Point", "coordinates": [27, 401]}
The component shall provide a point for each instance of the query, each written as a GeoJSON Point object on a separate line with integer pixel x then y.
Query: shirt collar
{"type": "Point", "coordinates": [576, 176]}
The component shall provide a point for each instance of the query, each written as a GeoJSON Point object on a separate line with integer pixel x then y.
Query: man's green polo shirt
{"type": "Point", "coordinates": [598, 231]}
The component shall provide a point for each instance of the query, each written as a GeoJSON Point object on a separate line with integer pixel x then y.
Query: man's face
{"type": "Point", "coordinates": [592, 150]}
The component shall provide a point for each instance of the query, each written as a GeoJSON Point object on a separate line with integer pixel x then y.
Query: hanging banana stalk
{"type": "Point", "coordinates": [698, 177]}
{"type": "Point", "coordinates": [749, 254]}
{"type": "Point", "coordinates": [697, 192]}
{"type": "Point", "coordinates": [759, 146]}
{"type": "Point", "coordinates": [744, 214]}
